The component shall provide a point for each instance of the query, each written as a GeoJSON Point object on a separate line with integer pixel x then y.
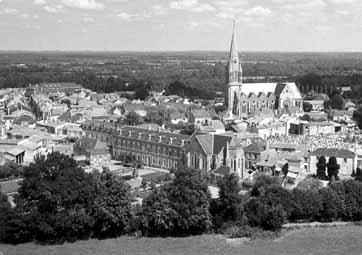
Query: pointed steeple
{"type": "Point", "coordinates": [234, 67]}
{"type": "Point", "coordinates": [234, 54]}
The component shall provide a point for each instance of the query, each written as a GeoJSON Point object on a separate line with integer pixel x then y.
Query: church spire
{"type": "Point", "coordinates": [234, 66]}
{"type": "Point", "coordinates": [234, 55]}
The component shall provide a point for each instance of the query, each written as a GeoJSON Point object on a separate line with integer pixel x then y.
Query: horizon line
{"type": "Point", "coordinates": [175, 51]}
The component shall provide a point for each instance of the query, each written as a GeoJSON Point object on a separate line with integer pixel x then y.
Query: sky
{"type": "Point", "coordinates": [180, 25]}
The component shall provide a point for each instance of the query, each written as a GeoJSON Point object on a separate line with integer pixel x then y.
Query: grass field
{"type": "Point", "coordinates": [337, 240]}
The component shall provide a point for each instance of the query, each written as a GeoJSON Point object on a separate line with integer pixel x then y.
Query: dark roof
{"type": "Point", "coordinates": [279, 89]}
{"type": "Point", "coordinates": [144, 134]}
{"type": "Point", "coordinates": [60, 85]}
{"type": "Point", "coordinates": [255, 147]}
{"type": "Point", "coordinates": [222, 170]}
{"type": "Point", "coordinates": [329, 152]}
{"type": "Point", "coordinates": [220, 141]}
{"type": "Point", "coordinates": [94, 146]}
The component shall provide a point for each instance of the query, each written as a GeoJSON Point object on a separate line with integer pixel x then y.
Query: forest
{"type": "Point", "coordinates": [193, 71]}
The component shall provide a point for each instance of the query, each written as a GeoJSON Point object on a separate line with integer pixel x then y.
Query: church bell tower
{"type": "Point", "coordinates": [233, 76]}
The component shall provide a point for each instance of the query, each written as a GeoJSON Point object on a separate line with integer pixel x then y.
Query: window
{"type": "Point", "coordinates": [345, 160]}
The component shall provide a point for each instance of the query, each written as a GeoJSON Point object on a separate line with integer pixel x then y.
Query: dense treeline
{"type": "Point", "coordinates": [59, 202]}
{"type": "Point", "coordinates": [195, 71]}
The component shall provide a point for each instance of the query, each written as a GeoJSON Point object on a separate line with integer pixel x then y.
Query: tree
{"type": "Point", "coordinates": [230, 201]}
{"type": "Point", "coordinates": [337, 102]}
{"type": "Point", "coordinates": [158, 216]}
{"type": "Point", "coordinates": [5, 209]}
{"type": "Point", "coordinates": [321, 168]}
{"type": "Point", "coordinates": [330, 204]}
{"type": "Point", "coordinates": [357, 116]}
{"type": "Point", "coordinates": [112, 205]}
{"type": "Point", "coordinates": [262, 182]}
{"type": "Point", "coordinates": [333, 168]}
{"type": "Point", "coordinates": [307, 107]}
{"type": "Point", "coordinates": [57, 195]}
{"type": "Point", "coordinates": [306, 117]}
{"type": "Point", "coordinates": [305, 205]}
{"type": "Point", "coordinates": [11, 170]}
{"type": "Point", "coordinates": [132, 119]}
{"type": "Point", "coordinates": [261, 213]}
{"type": "Point", "coordinates": [181, 207]}
{"type": "Point", "coordinates": [358, 176]}
{"type": "Point", "coordinates": [190, 198]}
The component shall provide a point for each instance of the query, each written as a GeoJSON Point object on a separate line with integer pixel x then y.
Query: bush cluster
{"type": "Point", "coordinates": [59, 202]}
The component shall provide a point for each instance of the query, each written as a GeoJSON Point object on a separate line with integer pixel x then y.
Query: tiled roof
{"type": "Point", "coordinates": [154, 136]}
{"type": "Point", "coordinates": [329, 152]}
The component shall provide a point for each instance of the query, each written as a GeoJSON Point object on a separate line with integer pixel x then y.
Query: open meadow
{"type": "Point", "coordinates": [336, 240]}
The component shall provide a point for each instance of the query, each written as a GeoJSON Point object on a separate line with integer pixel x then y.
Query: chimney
{"type": "Point", "coordinates": [171, 140]}
{"type": "Point", "coordinates": [160, 139]}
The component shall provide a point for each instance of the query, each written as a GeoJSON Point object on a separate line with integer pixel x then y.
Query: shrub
{"type": "Point", "coordinates": [350, 196]}
{"type": "Point", "coordinates": [305, 205]}
{"type": "Point", "coordinates": [262, 182]}
{"type": "Point", "coordinates": [331, 204]}
{"type": "Point", "coordinates": [261, 213]}
{"type": "Point", "coordinates": [310, 183]}
{"type": "Point", "coordinates": [230, 201]}
{"type": "Point", "coordinates": [180, 208]}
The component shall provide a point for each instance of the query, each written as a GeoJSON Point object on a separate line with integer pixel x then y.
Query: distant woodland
{"type": "Point", "coordinates": [182, 73]}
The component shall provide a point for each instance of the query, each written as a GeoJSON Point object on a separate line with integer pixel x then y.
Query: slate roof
{"type": "Point", "coordinates": [94, 146]}
{"type": "Point", "coordinates": [222, 170]}
{"type": "Point", "coordinates": [329, 152]}
{"type": "Point", "coordinates": [144, 134]}
{"type": "Point", "coordinates": [279, 88]}
{"type": "Point", "coordinates": [213, 144]}
{"type": "Point", "coordinates": [256, 147]}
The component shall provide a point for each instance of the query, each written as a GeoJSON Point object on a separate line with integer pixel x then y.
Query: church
{"type": "Point", "coordinates": [244, 99]}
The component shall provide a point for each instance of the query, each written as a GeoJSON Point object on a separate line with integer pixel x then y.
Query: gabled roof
{"type": "Point", "coordinates": [279, 88]}
{"type": "Point", "coordinates": [222, 170]}
{"type": "Point", "coordinates": [213, 144]}
{"type": "Point", "coordinates": [256, 147]}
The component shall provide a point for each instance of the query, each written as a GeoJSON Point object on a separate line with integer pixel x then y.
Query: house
{"type": "Point", "coordinates": [253, 153]}
{"type": "Point", "coordinates": [317, 105]}
{"type": "Point", "coordinates": [95, 151]}
{"type": "Point", "coordinates": [137, 108]}
{"type": "Point", "coordinates": [198, 116]}
{"type": "Point", "coordinates": [178, 117]}
{"type": "Point", "coordinates": [299, 127]}
{"type": "Point", "coordinates": [341, 116]}
{"type": "Point", "coordinates": [346, 159]}
{"type": "Point", "coordinates": [31, 149]}
{"type": "Point", "coordinates": [55, 127]}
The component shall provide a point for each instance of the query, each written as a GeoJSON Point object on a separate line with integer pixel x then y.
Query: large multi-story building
{"type": "Point", "coordinates": [151, 148]}
{"type": "Point", "coordinates": [56, 87]}
{"type": "Point", "coordinates": [248, 98]}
